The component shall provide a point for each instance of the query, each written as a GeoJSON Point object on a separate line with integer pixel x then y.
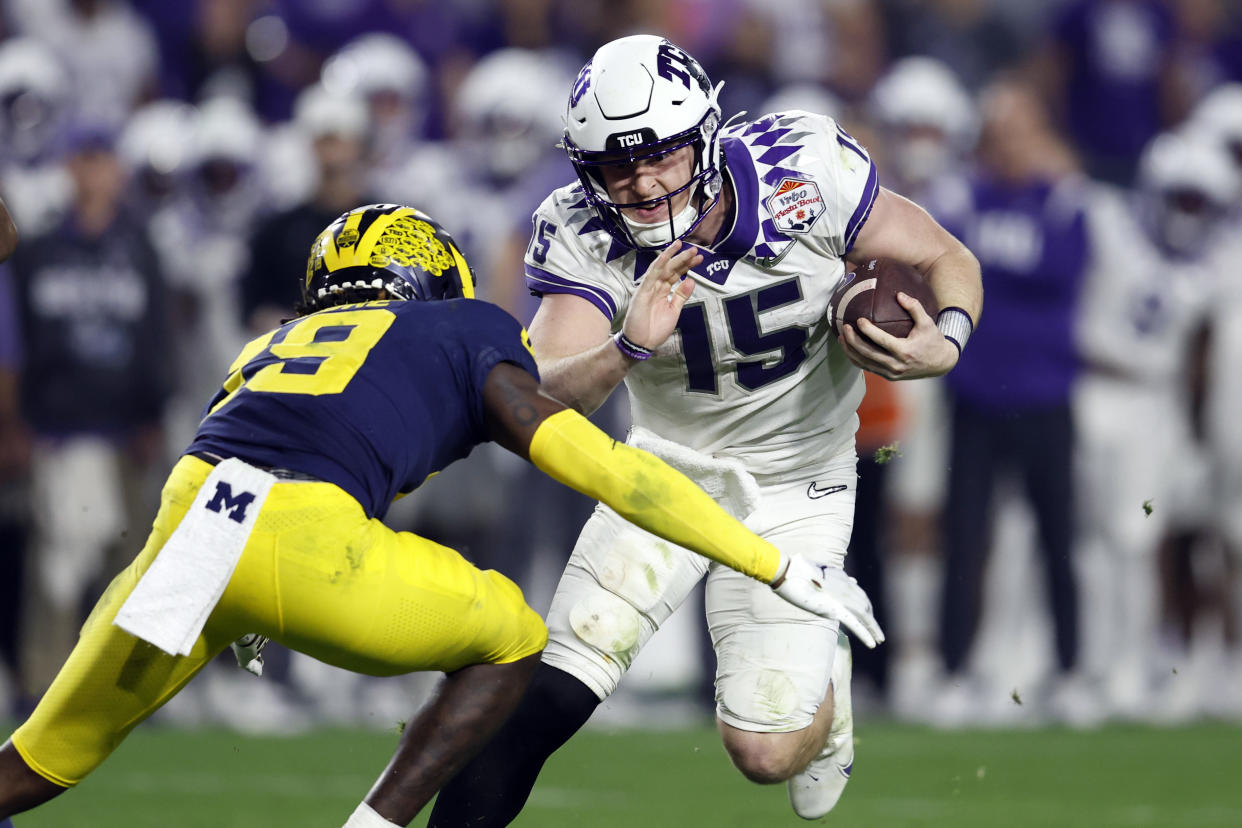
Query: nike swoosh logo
{"type": "Point", "coordinates": [814, 492]}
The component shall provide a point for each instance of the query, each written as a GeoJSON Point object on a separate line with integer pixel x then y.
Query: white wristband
{"type": "Point", "coordinates": [955, 325]}
{"type": "Point", "coordinates": [364, 816]}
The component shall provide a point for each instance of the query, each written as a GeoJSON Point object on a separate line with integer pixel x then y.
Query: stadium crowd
{"type": "Point", "coordinates": [168, 165]}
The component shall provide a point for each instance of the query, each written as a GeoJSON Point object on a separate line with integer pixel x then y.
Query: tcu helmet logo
{"type": "Point", "coordinates": [581, 85]}
{"type": "Point", "coordinates": [225, 499]}
{"type": "Point", "coordinates": [674, 64]}
{"type": "Point", "coordinates": [631, 140]}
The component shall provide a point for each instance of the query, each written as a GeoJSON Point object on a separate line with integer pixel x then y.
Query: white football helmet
{"type": "Point", "coordinates": [387, 74]}
{"type": "Point", "coordinates": [1187, 183]}
{"type": "Point", "coordinates": [376, 62]}
{"type": "Point", "coordinates": [227, 138]}
{"type": "Point", "coordinates": [640, 97]}
{"type": "Point", "coordinates": [34, 98]}
{"type": "Point", "coordinates": [1219, 115]}
{"type": "Point", "coordinates": [509, 110]}
{"type": "Point", "coordinates": [926, 114]}
{"type": "Point", "coordinates": [157, 137]}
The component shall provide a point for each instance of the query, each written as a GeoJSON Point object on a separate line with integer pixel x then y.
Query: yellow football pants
{"type": "Point", "coordinates": [316, 575]}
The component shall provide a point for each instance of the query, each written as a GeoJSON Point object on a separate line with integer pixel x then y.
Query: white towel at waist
{"type": "Point", "coordinates": [725, 479]}
{"type": "Point", "coordinates": [177, 593]}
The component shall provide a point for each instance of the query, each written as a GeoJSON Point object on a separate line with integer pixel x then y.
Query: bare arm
{"type": "Point", "coordinates": [578, 361]}
{"type": "Point", "coordinates": [8, 233]}
{"type": "Point", "coordinates": [900, 229]}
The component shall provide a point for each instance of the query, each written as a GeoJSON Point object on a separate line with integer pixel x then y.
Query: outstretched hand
{"type": "Point", "coordinates": [829, 593]}
{"type": "Point", "coordinates": [657, 303]}
{"type": "Point", "coordinates": [924, 352]}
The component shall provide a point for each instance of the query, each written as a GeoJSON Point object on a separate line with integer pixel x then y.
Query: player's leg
{"type": "Point", "coordinates": [493, 787]}
{"type": "Point", "coordinates": [353, 593]}
{"type": "Point", "coordinates": [110, 682]}
{"type": "Point", "coordinates": [619, 586]}
{"type": "Point", "coordinates": [469, 705]}
{"type": "Point", "coordinates": [783, 677]}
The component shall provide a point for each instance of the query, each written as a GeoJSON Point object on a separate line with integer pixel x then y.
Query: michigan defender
{"type": "Point", "coordinates": [753, 378]}
{"type": "Point", "coordinates": [271, 521]}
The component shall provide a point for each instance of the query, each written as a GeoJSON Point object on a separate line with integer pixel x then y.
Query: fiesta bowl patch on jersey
{"type": "Point", "coordinates": [795, 205]}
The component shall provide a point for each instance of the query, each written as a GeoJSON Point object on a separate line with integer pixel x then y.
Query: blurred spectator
{"type": "Point", "coordinates": [155, 147]}
{"type": "Point", "coordinates": [1109, 70]}
{"type": "Point", "coordinates": [336, 126]}
{"type": "Point", "coordinates": [94, 381]}
{"type": "Point", "coordinates": [972, 37]}
{"type": "Point", "coordinates": [14, 462]}
{"type": "Point", "coordinates": [1010, 394]}
{"type": "Point", "coordinates": [927, 123]}
{"type": "Point", "coordinates": [34, 104]}
{"type": "Point", "coordinates": [389, 77]}
{"type": "Point", "coordinates": [110, 51]}
{"type": "Point", "coordinates": [1219, 116]}
{"type": "Point", "coordinates": [1147, 295]}
{"type": "Point", "coordinates": [203, 238]}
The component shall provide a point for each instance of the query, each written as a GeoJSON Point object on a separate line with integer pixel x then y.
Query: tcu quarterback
{"type": "Point", "coordinates": [745, 389]}
{"type": "Point", "coordinates": [271, 521]}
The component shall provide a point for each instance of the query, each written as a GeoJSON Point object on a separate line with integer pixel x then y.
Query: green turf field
{"type": "Point", "coordinates": [903, 776]}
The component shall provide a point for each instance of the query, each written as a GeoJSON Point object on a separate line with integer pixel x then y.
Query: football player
{"type": "Point", "coordinates": [271, 520]}
{"type": "Point", "coordinates": [1152, 280]}
{"type": "Point", "coordinates": [775, 208]}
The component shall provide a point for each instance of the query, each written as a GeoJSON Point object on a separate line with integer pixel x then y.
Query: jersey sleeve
{"type": "Point", "coordinates": [852, 182]}
{"type": "Point", "coordinates": [489, 336]}
{"type": "Point", "coordinates": [562, 255]}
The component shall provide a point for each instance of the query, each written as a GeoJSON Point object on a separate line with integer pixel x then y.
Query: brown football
{"type": "Point", "coordinates": [870, 292]}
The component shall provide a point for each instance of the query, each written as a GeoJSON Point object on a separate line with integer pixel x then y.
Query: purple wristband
{"type": "Point", "coordinates": [630, 350]}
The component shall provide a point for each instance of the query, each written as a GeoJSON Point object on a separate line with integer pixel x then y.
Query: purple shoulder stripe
{"type": "Point", "coordinates": [870, 190]}
{"type": "Point", "coordinates": [541, 281]}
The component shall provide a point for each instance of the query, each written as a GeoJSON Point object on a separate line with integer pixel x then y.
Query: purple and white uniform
{"type": "Point", "coordinates": [754, 384]}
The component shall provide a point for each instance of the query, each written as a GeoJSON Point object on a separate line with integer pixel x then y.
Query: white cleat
{"type": "Point", "coordinates": [815, 791]}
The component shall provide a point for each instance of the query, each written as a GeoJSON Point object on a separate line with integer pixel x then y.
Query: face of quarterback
{"type": "Point", "coordinates": [651, 178]}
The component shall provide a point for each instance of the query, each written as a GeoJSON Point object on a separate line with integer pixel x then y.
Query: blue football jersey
{"type": "Point", "coordinates": [373, 397]}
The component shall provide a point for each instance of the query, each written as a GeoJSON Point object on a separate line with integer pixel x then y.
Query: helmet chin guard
{"type": "Point", "coordinates": [641, 97]}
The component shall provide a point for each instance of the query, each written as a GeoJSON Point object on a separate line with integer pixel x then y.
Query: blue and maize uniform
{"type": "Point", "coordinates": [352, 406]}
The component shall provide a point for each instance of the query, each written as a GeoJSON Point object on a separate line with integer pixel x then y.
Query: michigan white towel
{"type": "Point", "coordinates": [724, 478]}
{"type": "Point", "coordinates": [173, 599]}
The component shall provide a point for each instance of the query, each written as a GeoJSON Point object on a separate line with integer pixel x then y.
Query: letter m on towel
{"type": "Point", "coordinates": [236, 505]}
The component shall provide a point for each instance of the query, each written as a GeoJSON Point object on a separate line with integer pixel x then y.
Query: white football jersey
{"type": "Point", "coordinates": [1139, 306]}
{"type": "Point", "coordinates": [753, 371]}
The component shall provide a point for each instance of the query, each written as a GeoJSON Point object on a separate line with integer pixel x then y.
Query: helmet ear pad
{"type": "Point", "coordinates": [387, 249]}
{"type": "Point", "coordinates": [637, 98]}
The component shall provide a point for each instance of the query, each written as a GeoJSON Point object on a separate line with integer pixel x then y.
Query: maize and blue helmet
{"type": "Point", "coordinates": [637, 98]}
{"type": "Point", "coordinates": [384, 251]}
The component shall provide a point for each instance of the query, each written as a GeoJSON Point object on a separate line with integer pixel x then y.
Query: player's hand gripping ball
{"type": "Point", "coordinates": [870, 292]}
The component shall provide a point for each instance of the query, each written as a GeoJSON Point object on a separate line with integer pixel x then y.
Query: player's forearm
{"type": "Point", "coordinates": [956, 280]}
{"type": "Point", "coordinates": [583, 381]}
{"type": "Point", "coordinates": [648, 492]}
{"type": "Point", "coordinates": [8, 233]}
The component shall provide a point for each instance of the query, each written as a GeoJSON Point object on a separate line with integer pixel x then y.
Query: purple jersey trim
{"type": "Point", "coordinates": [870, 190]}
{"type": "Point", "coordinates": [541, 281]}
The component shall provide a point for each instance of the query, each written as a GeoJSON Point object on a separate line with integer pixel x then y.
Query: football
{"type": "Point", "coordinates": [870, 292]}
